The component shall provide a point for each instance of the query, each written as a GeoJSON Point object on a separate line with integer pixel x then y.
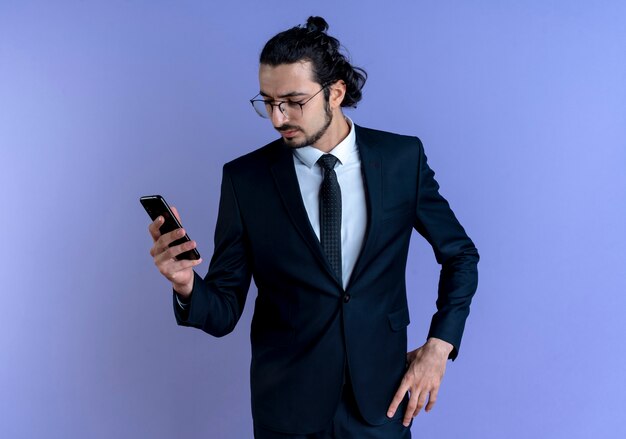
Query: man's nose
{"type": "Point", "coordinates": [277, 117]}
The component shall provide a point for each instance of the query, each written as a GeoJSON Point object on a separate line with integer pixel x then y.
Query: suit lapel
{"type": "Point", "coordinates": [287, 185]}
{"type": "Point", "coordinates": [371, 168]}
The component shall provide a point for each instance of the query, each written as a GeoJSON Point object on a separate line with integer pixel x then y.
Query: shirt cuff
{"type": "Point", "coordinates": [183, 304]}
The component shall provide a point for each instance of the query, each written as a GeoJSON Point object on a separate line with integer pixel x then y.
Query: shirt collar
{"type": "Point", "coordinates": [344, 151]}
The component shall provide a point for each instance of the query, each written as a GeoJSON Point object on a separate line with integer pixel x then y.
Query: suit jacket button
{"type": "Point", "coordinates": [346, 298]}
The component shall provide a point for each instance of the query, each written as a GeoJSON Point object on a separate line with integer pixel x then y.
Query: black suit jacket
{"type": "Point", "coordinates": [306, 328]}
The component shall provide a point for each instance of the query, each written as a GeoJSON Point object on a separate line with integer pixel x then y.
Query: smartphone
{"type": "Point", "coordinates": [156, 206]}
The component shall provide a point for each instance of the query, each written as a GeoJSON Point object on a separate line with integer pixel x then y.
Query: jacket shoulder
{"type": "Point", "coordinates": [386, 138]}
{"type": "Point", "coordinates": [264, 155]}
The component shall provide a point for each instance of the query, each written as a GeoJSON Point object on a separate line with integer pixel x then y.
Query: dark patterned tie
{"type": "Point", "coordinates": [330, 213]}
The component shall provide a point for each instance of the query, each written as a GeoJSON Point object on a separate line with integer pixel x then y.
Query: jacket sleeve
{"type": "Point", "coordinates": [217, 301]}
{"type": "Point", "coordinates": [454, 250]}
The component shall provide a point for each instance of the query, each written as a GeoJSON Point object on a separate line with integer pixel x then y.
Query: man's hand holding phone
{"type": "Point", "coordinates": [179, 272]}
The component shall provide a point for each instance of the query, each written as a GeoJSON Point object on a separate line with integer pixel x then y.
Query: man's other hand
{"type": "Point", "coordinates": [422, 378]}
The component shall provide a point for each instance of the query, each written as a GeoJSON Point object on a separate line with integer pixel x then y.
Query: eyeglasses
{"type": "Point", "coordinates": [289, 109]}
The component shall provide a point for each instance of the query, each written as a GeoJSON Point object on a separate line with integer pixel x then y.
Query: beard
{"type": "Point", "coordinates": [308, 140]}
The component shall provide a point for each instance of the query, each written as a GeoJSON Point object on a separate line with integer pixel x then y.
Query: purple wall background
{"type": "Point", "coordinates": [521, 106]}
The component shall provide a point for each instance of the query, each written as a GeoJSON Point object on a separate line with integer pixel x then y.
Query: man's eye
{"type": "Point", "coordinates": [292, 104]}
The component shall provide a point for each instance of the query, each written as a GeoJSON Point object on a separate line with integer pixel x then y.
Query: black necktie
{"type": "Point", "coordinates": [330, 213]}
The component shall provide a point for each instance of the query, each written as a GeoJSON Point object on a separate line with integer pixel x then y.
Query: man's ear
{"type": "Point", "coordinates": [337, 93]}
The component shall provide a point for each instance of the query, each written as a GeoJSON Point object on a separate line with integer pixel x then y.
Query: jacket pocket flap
{"type": "Point", "coordinates": [399, 319]}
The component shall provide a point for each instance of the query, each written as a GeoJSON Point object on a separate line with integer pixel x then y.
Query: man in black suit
{"type": "Point", "coordinates": [322, 218]}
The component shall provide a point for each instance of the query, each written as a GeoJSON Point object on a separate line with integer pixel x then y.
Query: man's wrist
{"type": "Point", "coordinates": [183, 294]}
{"type": "Point", "coordinates": [440, 345]}
{"type": "Point", "coordinates": [183, 290]}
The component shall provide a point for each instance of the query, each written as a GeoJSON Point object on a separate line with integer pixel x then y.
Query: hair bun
{"type": "Point", "coordinates": [316, 24]}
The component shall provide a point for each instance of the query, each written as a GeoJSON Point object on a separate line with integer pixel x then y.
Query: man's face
{"type": "Point", "coordinates": [292, 82]}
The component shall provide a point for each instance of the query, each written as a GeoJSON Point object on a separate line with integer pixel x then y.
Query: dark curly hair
{"type": "Point", "coordinates": [312, 43]}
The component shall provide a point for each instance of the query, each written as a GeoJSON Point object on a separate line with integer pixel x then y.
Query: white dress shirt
{"type": "Point", "coordinates": [353, 204]}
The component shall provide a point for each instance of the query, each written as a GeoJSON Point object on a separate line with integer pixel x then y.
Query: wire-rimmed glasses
{"type": "Point", "coordinates": [289, 109]}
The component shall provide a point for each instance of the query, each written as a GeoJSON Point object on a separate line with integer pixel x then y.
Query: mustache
{"type": "Point", "coordinates": [283, 128]}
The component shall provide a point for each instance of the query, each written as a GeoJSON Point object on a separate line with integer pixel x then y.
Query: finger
{"type": "Point", "coordinates": [172, 268]}
{"type": "Point", "coordinates": [411, 409]}
{"type": "Point", "coordinates": [175, 212]}
{"type": "Point", "coordinates": [179, 249]}
{"type": "Point", "coordinates": [182, 265]}
{"type": "Point", "coordinates": [421, 401]}
{"type": "Point", "coordinates": [172, 236]}
{"type": "Point", "coordinates": [163, 243]}
{"type": "Point", "coordinates": [172, 252]}
{"type": "Point", "coordinates": [432, 399]}
{"type": "Point", "coordinates": [153, 228]}
{"type": "Point", "coordinates": [397, 399]}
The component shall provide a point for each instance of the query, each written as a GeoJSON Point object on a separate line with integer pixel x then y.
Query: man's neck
{"type": "Point", "coordinates": [336, 133]}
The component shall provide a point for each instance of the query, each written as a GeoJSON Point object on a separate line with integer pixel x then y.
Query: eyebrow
{"type": "Point", "coordinates": [286, 95]}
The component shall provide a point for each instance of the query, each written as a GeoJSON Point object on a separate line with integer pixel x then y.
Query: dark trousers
{"type": "Point", "coordinates": [347, 424]}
